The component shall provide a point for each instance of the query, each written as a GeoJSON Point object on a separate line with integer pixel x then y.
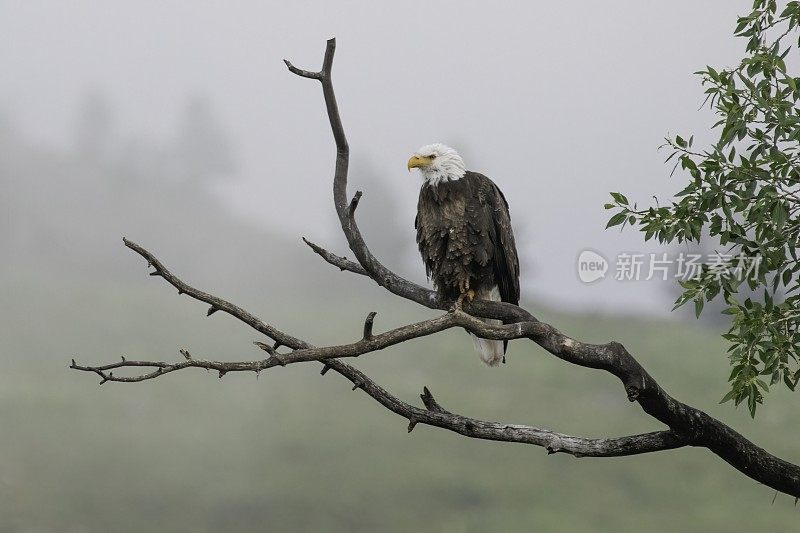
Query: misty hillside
{"type": "Point", "coordinates": [293, 450]}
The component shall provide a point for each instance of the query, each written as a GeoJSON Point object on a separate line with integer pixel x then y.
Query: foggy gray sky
{"type": "Point", "coordinates": [559, 103]}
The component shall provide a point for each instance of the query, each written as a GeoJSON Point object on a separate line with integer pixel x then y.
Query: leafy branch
{"type": "Point", "coordinates": [743, 193]}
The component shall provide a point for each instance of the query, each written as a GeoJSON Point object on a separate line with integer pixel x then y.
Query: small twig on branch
{"type": "Point", "coordinates": [430, 402]}
{"type": "Point", "coordinates": [351, 209]}
{"type": "Point", "coordinates": [342, 262]}
{"type": "Point", "coordinates": [303, 73]}
{"type": "Point", "coordinates": [266, 347]}
{"type": "Point", "coordinates": [368, 326]}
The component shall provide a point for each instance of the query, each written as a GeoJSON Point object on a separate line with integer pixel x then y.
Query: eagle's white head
{"type": "Point", "coordinates": [437, 163]}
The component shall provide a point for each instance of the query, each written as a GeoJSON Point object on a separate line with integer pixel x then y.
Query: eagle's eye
{"type": "Point", "coordinates": [432, 156]}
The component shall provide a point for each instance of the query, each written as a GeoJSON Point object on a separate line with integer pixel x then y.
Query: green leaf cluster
{"type": "Point", "coordinates": [743, 191]}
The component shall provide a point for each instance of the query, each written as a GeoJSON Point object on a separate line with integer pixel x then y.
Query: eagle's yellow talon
{"type": "Point", "coordinates": [466, 293]}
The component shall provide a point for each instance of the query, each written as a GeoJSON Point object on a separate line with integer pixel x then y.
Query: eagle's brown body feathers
{"type": "Point", "coordinates": [465, 237]}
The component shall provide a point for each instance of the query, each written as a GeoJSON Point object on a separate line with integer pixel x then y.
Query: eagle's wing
{"type": "Point", "coordinates": [505, 260]}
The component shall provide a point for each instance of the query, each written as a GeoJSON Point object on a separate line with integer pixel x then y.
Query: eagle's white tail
{"type": "Point", "coordinates": [491, 351]}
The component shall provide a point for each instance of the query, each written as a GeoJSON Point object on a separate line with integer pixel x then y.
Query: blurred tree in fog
{"type": "Point", "coordinates": [64, 209]}
{"type": "Point", "coordinates": [202, 149]}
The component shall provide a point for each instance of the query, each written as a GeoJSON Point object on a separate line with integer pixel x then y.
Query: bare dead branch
{"type": "Point", "coordinates": [432, 415]}
{"type": "Point", "coordinates": [369, 343]}
{"type": "Point", "coordinates": [687, 425]}
{"type": "Point", "coordinates": [553, 442]}
{"type": "Point", "coordinates": [217, 304]}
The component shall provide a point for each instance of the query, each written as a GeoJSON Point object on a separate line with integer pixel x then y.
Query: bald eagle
{"type": "Point", "coordinates": [465, 237]}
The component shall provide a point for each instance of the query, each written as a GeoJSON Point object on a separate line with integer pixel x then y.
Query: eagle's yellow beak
{"type": "Point", "coordinates": [418, 161]}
